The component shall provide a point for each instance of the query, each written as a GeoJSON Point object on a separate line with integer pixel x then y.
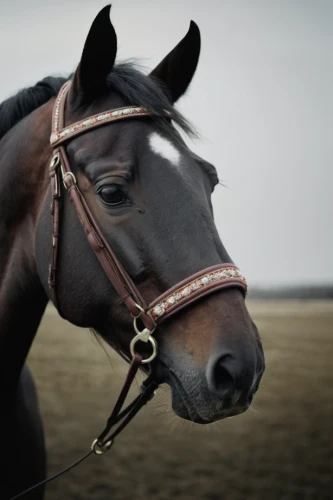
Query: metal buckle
{"type": "Point", "coordinates": [54, 162]}
{"type": "Point", "coordinates": [56, 187]}
{"type": "Point", "coordinates": [67, 174]}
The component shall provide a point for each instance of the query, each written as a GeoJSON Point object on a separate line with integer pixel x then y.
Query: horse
{"type": "Point", "coordinates": [151, 198]}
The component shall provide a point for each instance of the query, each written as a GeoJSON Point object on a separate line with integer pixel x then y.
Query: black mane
{"type": "Point", "coordinates": [139, 90]}
{"type": "Point", "coordinates": [134, 86]}
{"type": "Point", "coordinates": [15, 108]}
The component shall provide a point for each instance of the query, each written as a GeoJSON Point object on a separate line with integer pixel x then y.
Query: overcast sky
{"type": "Point", "coordinates": [261, 98]}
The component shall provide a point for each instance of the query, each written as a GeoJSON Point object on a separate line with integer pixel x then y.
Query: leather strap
{"type": "Point", "coordinates": [198, 285]}
{"type": "Point", "coordinates": [122, 283]}
{"type": "Point", "coordinates": [55, 212]}
{"type": "Point", "coordinates": [115, 416]}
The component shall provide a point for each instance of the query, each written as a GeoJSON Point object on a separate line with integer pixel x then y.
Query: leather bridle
{"type": "Point", "coordinates": [151, 315]}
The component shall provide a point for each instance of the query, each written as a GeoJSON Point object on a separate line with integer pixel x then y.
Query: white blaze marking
{"type": "Point", "coordinates": [164, 148]}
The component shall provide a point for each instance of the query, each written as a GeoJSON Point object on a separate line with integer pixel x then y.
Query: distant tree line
{"type": "Point", "coordinates": [293, 292]}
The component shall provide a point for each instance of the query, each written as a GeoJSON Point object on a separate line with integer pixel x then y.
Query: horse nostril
{"type": "Point", "coordinates": [230, 377]}
{"type": "Point", "coordinates": [220, 378]}
{"type": "Point", "coordinates": [223, 381]}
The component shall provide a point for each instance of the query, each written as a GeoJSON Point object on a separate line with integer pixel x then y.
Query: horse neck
{"type": "Point", "coordinates": [24, 153]}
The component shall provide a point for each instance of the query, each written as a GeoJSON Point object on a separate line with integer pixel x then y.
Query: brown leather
{"type": "Point", "coordinates": [55, 212]}
{"type": "Point", "coordinates": [202, 292]}
{"type": "Point", "coordinates": [75, 133]}
{"type": "Point", "coordinates": [112, 420]}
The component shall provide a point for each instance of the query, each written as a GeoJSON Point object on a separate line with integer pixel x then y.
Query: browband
{"type": "Point", "coordinates": [60, 135]}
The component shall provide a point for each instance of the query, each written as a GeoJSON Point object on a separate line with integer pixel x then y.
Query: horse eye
{"type": "Point", "coordinates": [112, 195]}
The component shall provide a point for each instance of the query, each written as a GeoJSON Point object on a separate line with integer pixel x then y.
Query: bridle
{"type": "Point", "coordinates": [151, 315]}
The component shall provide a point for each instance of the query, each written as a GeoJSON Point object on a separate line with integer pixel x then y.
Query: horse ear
{"type": "Point", "coordinates": [178, 67]}
{"type": "Point", "coordinates": [98, 57]}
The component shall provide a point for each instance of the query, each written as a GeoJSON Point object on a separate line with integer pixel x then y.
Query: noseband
{"type": "Point", "coordinates": [151, 315]}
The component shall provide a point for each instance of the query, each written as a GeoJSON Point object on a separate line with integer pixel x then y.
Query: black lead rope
{"type": "Point", "coordinates": [49, 479]}
{"type": "Point", "coordinates": [148, 388]}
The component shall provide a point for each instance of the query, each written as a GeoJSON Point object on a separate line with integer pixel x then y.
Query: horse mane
{"type": "Point", "coordinates": [137, 89]}
{"type": "Point", "coordinates": [17, 107]}
{"type": "Point", "coordinates": [125, 78]}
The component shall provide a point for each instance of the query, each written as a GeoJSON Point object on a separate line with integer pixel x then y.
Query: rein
{"type": "Point", "coordinates": [151, 315]}
{"type": "Point", "coordinates": [105, 440]}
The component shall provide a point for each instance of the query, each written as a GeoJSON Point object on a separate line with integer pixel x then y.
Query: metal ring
{"type": "Point", "coordinates": [54, 162]}
{"type": "Point", "coordinates": [141, 309]}
{"type": "Point", "coordinates": [100, 450]}
{"type": "Point", "coordinates": [70, 174]}
{"type": "Point", "coordinates": [143, 332]}
{"type": "Point", "coordinates": [153, 343]}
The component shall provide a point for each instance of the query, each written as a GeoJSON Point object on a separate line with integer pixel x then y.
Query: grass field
{"type": "Point", "coordinates": [281, 449]}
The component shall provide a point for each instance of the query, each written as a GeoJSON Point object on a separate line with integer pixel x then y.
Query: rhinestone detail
{"type": "Point", "coordinates": [56, 113]}
{"type": "Point", "coordinates": [220, 275]}
{"type": "Point", "coordinates": [85, 124]}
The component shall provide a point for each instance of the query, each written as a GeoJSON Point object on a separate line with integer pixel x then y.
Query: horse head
{"type": "Point", "coordinates": [151, 196]}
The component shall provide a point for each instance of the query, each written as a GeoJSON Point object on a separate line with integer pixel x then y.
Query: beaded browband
{"type": "Point", "coordinates": [58, 135]}
{"type": "Point", "coordinates": [173, 300]}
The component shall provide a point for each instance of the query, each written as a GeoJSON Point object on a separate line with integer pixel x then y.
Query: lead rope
{"type": "Point", "coordinates": [104, 442]}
